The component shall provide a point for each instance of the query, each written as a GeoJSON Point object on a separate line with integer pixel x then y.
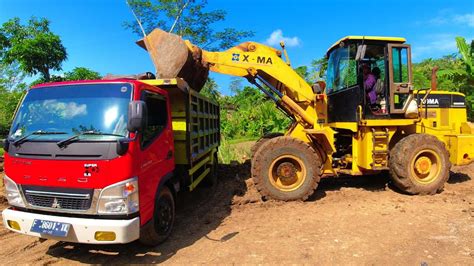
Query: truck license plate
{"type": "Point", "coordinates": [50, 228]}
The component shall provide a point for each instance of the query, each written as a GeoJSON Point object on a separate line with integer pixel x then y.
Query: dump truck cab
{"type": "Point", "coordinates": [102, 161]}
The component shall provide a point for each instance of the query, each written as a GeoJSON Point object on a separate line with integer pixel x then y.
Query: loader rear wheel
{"type": "Point", "coordinates": [158, 229]}
{"type": "Point", "coordinates": [285, 168]}
{"type": "Point", "coordinates": [419, 164]}
{"type": "Point", "coordinates": [262, 140]}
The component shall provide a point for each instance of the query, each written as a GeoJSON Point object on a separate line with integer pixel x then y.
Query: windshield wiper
{"type": "Point", "coordinates": [38, 132]}
{"type": "Point", "coordinates": [65, 142]}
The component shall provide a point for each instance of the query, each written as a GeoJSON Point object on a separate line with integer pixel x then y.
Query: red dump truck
{"type": "Point", "coordinates": [102, 161]}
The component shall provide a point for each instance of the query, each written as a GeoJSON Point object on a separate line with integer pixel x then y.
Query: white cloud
{"type": "Point", "coordinates": [277, 36]}
{"type": "Point", "coordinates": [436, 44]}
{"type": "Point", "coordinates": [459, 19]}
{"type": "Point", "coordinates": [465, 19]}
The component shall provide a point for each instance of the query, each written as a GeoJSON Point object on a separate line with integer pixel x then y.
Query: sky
{"type": "Point", "coordinates": [92, 31]}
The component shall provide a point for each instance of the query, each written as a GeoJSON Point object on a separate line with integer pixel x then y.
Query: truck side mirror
{"type": "Point", "coordinates": [137, 115]}
{"type": "Point", "coordinates": [6, 145]}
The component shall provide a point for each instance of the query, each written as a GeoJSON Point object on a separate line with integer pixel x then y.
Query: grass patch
{"type": "Point", "coordinates": [235, 150]}
{"type": "Point", "coordinates": [1, 152]}
{"type": "Point", "coordinates": [236, 141]}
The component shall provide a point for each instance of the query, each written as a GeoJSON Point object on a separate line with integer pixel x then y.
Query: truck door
{"type": "Point", "coordinates": [157, 150]}
{"type": "Point", "coordinates": [400, 77]}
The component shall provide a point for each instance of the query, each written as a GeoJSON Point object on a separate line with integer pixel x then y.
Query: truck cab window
{"type": "Point", "coordinates": [157, 117]}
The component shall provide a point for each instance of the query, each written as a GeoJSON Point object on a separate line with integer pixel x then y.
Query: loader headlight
{"type": "Point", "coordinates": [119, 198]}
{"type": "Point", "coordinates": [13, 193]}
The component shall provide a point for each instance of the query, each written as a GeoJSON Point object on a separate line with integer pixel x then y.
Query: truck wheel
{"type": "Point", "coordinates": [262, 140]}
{"type": "Point", "coordinates": [419, 164]}
{"type": "Point", "coordinates": [159, 228]}
{"type": "Point", "coordinates": [285, 168]}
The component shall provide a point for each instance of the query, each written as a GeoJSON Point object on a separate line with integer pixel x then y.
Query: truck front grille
{"type": "Point", "coordinates": [58, 200]}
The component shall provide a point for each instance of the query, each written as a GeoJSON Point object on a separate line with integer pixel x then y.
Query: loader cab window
{"type": "Point", "coordinates": [157, 117]}
{"type": "Point", "coordinates": [400, 65]}
{"type": "Point", "coordinates": [342, 69]}
{"type": "Point", "coordinates": [373, 78]}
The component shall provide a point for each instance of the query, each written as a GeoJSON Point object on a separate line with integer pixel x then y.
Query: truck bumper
{"type": "Point", "coordinates": [82, 230]}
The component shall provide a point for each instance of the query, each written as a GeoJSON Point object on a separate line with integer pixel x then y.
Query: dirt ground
{"type": "Point", "coordinates": [350, 220]}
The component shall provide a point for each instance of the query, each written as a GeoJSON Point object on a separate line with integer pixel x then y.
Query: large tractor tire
{"type": "Point", "coordinates": [262, 140]}
{"type": "Point", "coordinates": [285, 168]}
{"type": "Point", "coordinates": [160, 226]}
{"type": "Point", "coordinates": [419, 164]}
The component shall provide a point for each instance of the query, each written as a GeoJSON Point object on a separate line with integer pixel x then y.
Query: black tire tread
{"type": "Point", "coordinates": [262, 140]}
{"type": "Point", "coordinates": [272, 146]}
{"type": "Point", "coordinates": [400, 159]}
{"type": "Point", "coordinates": [148, 235]}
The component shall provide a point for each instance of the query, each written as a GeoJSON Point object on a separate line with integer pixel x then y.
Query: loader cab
{"type": "Point", "coordinates": [368, 78]}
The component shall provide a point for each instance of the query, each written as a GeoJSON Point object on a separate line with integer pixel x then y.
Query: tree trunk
{"type": "Point", "coordinates": [46, 75]}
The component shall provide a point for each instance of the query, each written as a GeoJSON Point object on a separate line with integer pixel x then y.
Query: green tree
{"type": "Point", "coordinates": [191, 19]}
{"type": "Point", "coordinates": [467, 55]}
{"type": "Point", "coordinates": [11, 77]}
{"type": "Point", "coordinates": [455, 74]}
{"type": "Point", "coordinates": [303, 72]}
{"type": "Point", "coordinates": [82, 73]}
{"type": "Point", "coordinates": [210, 90]}
{"type": "Point", "coordinates": [78, 73]}
{"type": "Point", "coordinates": [33, 46]}
{"type": "Point", "coordinates": [8, 103]}
{"type": "Point", "coordinates": [318, 68]}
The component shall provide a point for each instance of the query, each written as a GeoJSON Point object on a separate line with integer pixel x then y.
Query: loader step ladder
{"type": "Point", "coordinates": [380, 152]}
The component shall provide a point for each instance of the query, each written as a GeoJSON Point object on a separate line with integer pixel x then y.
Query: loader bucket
{"type": "Point", "coordinates": [173, 57]}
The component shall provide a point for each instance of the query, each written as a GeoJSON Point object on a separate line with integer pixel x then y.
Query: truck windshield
{"type": "Point", "coordinates": [72, 109]}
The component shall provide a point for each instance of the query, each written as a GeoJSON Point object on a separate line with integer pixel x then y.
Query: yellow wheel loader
{"type": "Point", "coordinates": [343, 125]}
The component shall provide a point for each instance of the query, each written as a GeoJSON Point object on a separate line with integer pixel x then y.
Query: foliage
{"type": "Point", "coordinates": [11, 77]}
{"type": "Point", "coordinates": [33, 46]}
{"type": "Point", "coordinates": [189, 19]}
{"type": "Point", "coordinates": [78, 73]}
{"type": "Point", "coordinates": [235, 150]}
{"type": "Point", "coordinates": [467, 54]}
{"type": "Point", "coordinates": [455, 74]}
{"type": "Point", "coordinates": [249, 114]}
{"type": "Point", "coordinates": [8, 103]}
{"type": "Point", "coordinates": [211, 91]}
{"type": "Point", "coordinates": [318, 68]}
{"type": "Point", "coordinates": [82, 73]}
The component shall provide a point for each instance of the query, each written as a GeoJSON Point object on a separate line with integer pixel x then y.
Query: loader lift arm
{"type": "Point", "coordinates": [261, 65]}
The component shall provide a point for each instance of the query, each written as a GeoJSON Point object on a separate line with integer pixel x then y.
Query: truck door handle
{"type": "Point", "coordinates": [169, 155]}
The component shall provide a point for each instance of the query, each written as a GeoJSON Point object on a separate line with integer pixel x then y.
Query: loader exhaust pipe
{"type": "Point", "coordinates": [434, 80]}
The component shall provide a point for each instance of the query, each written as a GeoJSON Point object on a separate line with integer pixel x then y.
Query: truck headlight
{"type": "Point", "coordinates": [13, 193]}
{"type": "Point", "coordinates": [119, 198]}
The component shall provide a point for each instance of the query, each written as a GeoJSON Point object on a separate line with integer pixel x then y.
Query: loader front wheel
{"type": "Point", "coordinates": [419, 164]}
{"type": "Point", "coordinates": [262, 140]}
{"type": "Point", "coordinates": [285, 168]}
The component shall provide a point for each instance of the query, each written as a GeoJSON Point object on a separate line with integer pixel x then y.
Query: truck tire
{"type": "Point", "coordinates": [159, 228]}
{"type": "Point", "coordinates": [262, 140]}
{"type": "Point", "coordinates": [285, 168]}
{"type": "Point", "coordinates": [419, 164]}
